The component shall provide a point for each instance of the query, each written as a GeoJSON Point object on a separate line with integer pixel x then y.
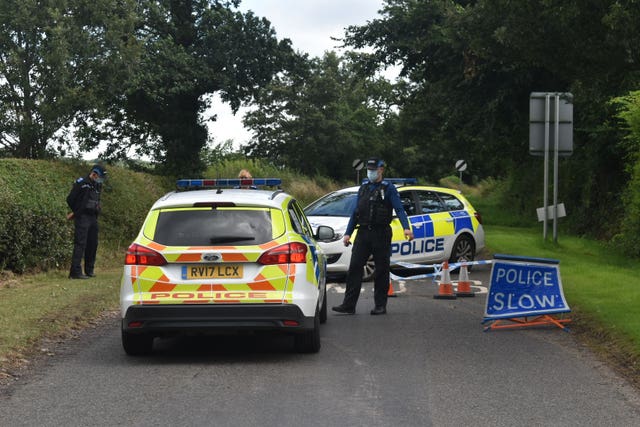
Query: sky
{"type": "Point", "coordinates": [309, 24]}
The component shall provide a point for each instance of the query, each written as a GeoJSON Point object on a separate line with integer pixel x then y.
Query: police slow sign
{"type": "Point", "coordinates": [523, 286]}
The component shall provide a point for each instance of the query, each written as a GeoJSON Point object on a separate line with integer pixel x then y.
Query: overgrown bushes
{"type": "Point", "coordinates": [34, 232]}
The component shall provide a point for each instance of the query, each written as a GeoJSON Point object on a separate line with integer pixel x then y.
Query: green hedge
{"type": "Point", "coordinates": [34, 232]}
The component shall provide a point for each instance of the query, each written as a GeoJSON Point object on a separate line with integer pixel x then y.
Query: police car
{"type": "Point", "coordinates": [210, 258]}
{"type": "Point", "coordinates": [444, 223]}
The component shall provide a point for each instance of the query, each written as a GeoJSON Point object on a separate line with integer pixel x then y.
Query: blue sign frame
{"type": "Point", "coordinates": [523, 287]}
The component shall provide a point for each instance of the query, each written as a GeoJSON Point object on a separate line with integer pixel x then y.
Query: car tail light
{"type": "Point", "coordinates": [478, 216]}
{"type": "Point", "coordinates": [291, 253]}
{"type": "Point", "coordinates": [139, 255]}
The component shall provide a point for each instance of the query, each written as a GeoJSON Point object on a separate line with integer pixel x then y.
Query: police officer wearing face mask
{"type": "Point", "coordinates": [377, 199]}
{"type": "Point", "coordinates": [84, 201]}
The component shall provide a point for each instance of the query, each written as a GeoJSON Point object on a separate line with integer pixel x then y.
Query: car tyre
{"type": "Point", "coordinates": [137, 344]}
{"type": "Point", "coordinates": [369, 270]}
{"type": "Point", "coordinates": [464, 249]}
{"type": "Point", "coordinates": [309, 341]}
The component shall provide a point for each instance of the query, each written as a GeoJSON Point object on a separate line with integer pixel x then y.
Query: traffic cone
{"type": "Point", "coordinates": [464, 284]}
{"type": "Point", "coordinates": [390, 291]}
{"type": "Point", "coordinates": [445, 290]}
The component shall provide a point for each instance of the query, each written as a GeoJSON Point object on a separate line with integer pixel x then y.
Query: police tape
{"type": "Point", "coordinates": [437, 269]}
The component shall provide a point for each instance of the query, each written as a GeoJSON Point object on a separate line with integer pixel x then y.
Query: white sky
{"type": "Point", "coordinates": [309, 24]}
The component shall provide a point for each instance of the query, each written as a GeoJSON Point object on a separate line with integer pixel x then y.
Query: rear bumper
{"type": "Point", "coordinates": [158, 319]}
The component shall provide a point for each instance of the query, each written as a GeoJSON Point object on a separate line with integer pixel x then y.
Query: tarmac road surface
{"type": "Point", "coordinates": [427, 362]}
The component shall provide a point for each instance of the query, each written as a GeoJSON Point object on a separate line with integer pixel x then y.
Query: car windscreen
{"type": "Point", "coordinates": [335, 204]}
{"type": "Point", "coordinates": [214, 227]}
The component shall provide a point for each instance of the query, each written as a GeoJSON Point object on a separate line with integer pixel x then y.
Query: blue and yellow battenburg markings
{"type": "Point", "coordinates": [461, 221]}
{"type": "Point", "coordinates": [425, 238]}
{"type": "Point", "coordinates": [314, 255]}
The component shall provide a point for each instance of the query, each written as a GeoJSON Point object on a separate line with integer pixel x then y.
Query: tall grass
{"type": "Point", "coordinates": [305, 189]}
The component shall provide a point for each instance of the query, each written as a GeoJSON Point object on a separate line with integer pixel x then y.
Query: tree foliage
{"type": "Point", "coordinates": [628, 108]}
{"type": "Point", "coordinates": [57, 59]}
{"type": "Point", "coordinates": [190, 49]}
{"type": "Point", "coordinates": [320, 118]}
{"type": "Point", "coordinates": [472, 70]}
{"type": "Point", "coordinates": [128, 75]}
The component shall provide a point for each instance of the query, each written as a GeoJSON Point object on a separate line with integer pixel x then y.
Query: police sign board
{"type": "Point", "coordinates": [524, 286]}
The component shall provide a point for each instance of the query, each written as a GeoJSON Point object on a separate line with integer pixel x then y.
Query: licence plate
{"type": "Point", "coordinates": [217, 271]}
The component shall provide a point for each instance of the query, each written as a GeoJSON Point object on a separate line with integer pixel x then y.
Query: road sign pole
{"type": "Point", "coordinates": [555, 170]}
{"type": "Point", "coordinates": [546, 166]}
{"type": "Point", "coordinates": [357, 164]}
{"type": "Point", "coordinates": [461, 166]}
{"type": "Point", "coordinates": [541, 114]}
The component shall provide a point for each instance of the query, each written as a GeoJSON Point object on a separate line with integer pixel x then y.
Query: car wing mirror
{"type": "Point", "coordinates": [324, 233]}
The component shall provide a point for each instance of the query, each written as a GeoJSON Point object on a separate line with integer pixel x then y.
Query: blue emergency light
{"type": "Point", "coordinates": [227, 182]}
{"type": "Point", "coordinates": [402, 181]}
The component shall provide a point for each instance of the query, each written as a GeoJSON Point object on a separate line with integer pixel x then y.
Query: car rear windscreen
{"type": "Point", "coordinates": [213, 227]}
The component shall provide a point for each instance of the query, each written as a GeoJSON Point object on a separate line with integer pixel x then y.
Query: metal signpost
{"type": "Point", "coordinates": [461, 166]}
{"type": "Point", "coordinates": [357, 165]}
{"type": "Point", "coordinates": [545, 109]}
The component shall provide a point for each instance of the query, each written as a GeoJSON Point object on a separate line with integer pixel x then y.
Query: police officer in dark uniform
{"type": "Point", "coordinates": [84, 201]}
{"type": "Point", "coordinates": [372, 215]}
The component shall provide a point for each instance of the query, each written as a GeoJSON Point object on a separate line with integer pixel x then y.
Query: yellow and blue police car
{"type": "Point", "coordinates": [209, 258]}
{"type": "Point", "coordinates": [445, 225]}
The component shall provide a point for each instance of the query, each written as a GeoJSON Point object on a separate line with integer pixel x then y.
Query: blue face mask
{"type": "Point", "coordinates": [372, 175]}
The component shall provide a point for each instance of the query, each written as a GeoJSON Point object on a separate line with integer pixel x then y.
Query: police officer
{"type": "Point", "coordinates": [372, 215]}
{"type": "Point", "coordinates": [84, 201]}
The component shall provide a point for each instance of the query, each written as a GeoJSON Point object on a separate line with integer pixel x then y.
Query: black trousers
{"type": "Point", "coordinates": [85, 244]}
{"type": "Point", "coordinates": [376, 242]}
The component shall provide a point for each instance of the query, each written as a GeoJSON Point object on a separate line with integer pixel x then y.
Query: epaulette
{"type": "Point", "coordinates": [79, 180]}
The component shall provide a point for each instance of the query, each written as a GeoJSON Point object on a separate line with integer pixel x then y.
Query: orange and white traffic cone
{"type": "Point", "coordinates": [464, 284]}
{"type": "Point", "coordinates": [390, 292]}
{"type": "Point", "coordinates": [445, 289]}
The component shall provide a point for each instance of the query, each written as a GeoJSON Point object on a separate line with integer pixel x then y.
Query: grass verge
{"type": "Point", "coordinates": [602, 288]}
{"type": "Point", "coordinates": [49, 306]}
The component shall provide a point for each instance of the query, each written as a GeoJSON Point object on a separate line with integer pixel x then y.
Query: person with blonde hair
{"type": "Point", "coordinates": [245, 174]}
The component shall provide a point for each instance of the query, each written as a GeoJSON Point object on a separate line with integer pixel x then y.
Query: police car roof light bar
{"type": "Point", "coordinates": [226, 182]}
{"type": "Point", "coordinates": [403, 181]}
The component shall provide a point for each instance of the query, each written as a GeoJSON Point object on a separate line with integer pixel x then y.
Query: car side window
{"type": "Point", "coordinates": [451, 202]}
{"type": "Point", "coordinates": [430, 202]}
{"type": "Point", "coordinates": [299, 221]}
{"type": "Point", "coordinates": [336, 204]}
{"type": "Point", "coordinates": [406, 197]}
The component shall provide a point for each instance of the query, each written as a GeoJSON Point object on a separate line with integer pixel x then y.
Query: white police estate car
{"type": "Point", "coordinates": [445, 226]}
{"type": "Point", "coordinates": [209, 260]}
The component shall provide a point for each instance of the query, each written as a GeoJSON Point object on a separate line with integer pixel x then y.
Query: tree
{"type": "Point", "coordinates": [628, 108]}
{"type": "Point", "coordinates": [191, 48]}
{"type": "Point", "coordinates": [319, 119]}
{"type": "Point", "coordinates": [56, 59]}
{"type": "Point", "coordinates": [471, 72]}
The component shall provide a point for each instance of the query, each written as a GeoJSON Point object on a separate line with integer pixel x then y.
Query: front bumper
{"type": "Point", "coordinates": [159, 319]}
